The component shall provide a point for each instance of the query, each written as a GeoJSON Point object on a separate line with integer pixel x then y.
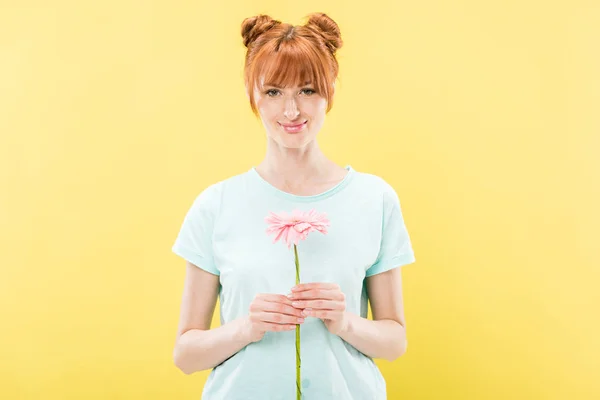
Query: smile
{"type": "Point", "coordinates": [294, 128]}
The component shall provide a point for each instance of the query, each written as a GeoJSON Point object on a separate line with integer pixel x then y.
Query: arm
{"type": "Point", "coordinates": [384, 336]}
{"type": "Point", "coordinates": [198, 347]}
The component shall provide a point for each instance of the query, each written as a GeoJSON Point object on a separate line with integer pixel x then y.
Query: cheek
{"type": "Point", "coordinates": [316, 106]}
{"type": "Point", "coordinates": [266, 109]}
{"type": "Point", "coordinates": [316, 110]}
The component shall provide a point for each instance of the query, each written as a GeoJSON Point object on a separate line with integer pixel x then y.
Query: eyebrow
{"type": "Point", "coordinates": [275, 85]}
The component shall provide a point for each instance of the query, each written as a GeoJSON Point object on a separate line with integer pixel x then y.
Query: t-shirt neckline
{"type": "Point", "coordinates": [293, 197]}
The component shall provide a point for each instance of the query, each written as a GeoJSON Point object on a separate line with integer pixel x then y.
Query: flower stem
{"type": "Point", "coordinates": [298, 387]}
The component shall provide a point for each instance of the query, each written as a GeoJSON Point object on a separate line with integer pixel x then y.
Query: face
{"type": "Point", "coordinates": [291, 116]}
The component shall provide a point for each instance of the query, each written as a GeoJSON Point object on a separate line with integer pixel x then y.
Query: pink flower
{"type": "Point", "coordinates": [296, 227]}
{"type": "Point", "coordinates": [293, 228]}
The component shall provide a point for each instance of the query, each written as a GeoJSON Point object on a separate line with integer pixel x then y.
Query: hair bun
{"type": "Point", "coordinates": [253, 27]}
{"type": "Point", "coordinates": [327, 28]}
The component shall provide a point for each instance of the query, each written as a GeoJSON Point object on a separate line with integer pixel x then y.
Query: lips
{"type": "Point", "coordinates": [294, 128]}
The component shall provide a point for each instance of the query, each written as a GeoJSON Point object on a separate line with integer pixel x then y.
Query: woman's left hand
{"type": "Point", "coordinates": [322, 300]}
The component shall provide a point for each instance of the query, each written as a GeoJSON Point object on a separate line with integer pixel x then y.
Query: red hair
{"type": "Point", "coordinates": [287, 55]}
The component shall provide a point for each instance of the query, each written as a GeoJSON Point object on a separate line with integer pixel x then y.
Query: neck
{"type": "Point", "coordinates": [295, 165]}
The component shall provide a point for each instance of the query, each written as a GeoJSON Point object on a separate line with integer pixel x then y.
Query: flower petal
{"type": "Point", "coordinates": [295, 226]}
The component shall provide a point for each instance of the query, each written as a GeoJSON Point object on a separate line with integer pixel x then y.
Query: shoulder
{"type": "Point", "coordinates": [212, 195]}
{"type": "Point", "coordinates": [375, 184]}
{"type": "Point", "coordinates": [379, 191]}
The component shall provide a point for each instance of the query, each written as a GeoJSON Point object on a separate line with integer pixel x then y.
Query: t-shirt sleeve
{"type": "Point", "coordinates": [194, 242]}
{"type": "Point", "coordinates": [396, 248]}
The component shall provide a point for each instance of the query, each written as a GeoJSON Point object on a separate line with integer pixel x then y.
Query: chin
{"type": "Point", "coordinates": [292, 141]}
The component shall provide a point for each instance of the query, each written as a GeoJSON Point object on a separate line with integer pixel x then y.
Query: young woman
{"type": "Point", "coordinates": [289, 74]}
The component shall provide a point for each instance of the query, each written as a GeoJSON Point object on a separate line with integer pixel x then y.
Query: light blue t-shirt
{"type": "Point", "coordinates": [224, 233]}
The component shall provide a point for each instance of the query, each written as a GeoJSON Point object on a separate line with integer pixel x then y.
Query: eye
{"type": "Point", "coordinates": [268, 92]}
{"type": "Point", "coordinates": [310, 91]}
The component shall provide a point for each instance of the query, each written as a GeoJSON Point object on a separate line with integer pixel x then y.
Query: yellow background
{"type": "Point", "coordinates": [483, 115]}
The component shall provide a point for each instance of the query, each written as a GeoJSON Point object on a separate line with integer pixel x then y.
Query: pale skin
{"type": "Point", "coordinates": [293, 163]}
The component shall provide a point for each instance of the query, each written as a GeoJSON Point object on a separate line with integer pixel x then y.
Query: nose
{"type": "Point", "coordinates": [291, 109]}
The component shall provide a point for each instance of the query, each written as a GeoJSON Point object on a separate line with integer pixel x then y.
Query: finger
{"type": "Point", "coordinates": [279, 318]}
{"type": "Point", "coordinates": [277, 327]}
{"type": "Point", "coordinates": [280, 308]}
{"type": "Point", "coordinates": [275, 298]}
{"type": "Point", "coordinates": [315, 285]}
{"type": "Point", "coordinates": [319, 305]}
{"type": "Point", "coordinates": [314, 294]}
{"type": "Point", "coordinates": [260, 305]}
{"type": "Point", "coordinates": [324, 314]}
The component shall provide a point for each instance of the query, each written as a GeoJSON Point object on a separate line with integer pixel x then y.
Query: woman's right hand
{"type": "Point", "coordinates": [271, 312]}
